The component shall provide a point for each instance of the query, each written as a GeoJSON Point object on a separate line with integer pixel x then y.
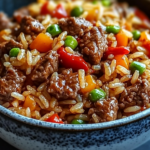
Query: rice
{"type": "Point", "coordinates": [34, 52]}
{"type": "Point", "coordinates": [35, 60]}
{"type": "Point", "coordinates": [15, 103]}
{"type": "Point", "coordinates": [67, 102]}
{"type": "Point", "coordinates": [125, 78]}
{"type": "Point", "coordinates": [132, 109]}
{"type": "Point", "coordinates": [69, 50]}
{"type": "Point", "coordinates": [115, 85]}
{"type": "Point", "coordinates": [79, 98]}
{"type": "Point", "coordinates": [95, 118]}
{"type": "Point", "coordinates": [53, 102]}
{"type": "Point", "coordinates": [48, 115]}
{"type": "Point", "coordinates": [78, 108]}
{"type": "Point", "coordinates": [18, 96]}
{"type": "Point", "coordinates": [81, 76]}
{"type": "Point", "coordinates": [96, 67]}
{"type": "Point", "coordinates": [23, 40]}
{"type": "Point", "coordinates": [29, 58]}
{"type": "Point", "coordinates": [21, 54]}
{"type": "Point", "coordinates": [39, 103]}
{"type": "Point", "coordinates": [62, 36]}
{"type": "Point", "coordinates": [28, 71]}
{"type": "Point", "coordinates": [113, 66]}
{"type": "Point", "coordinates": [136, 55]}
{"type": "Point", "coordinates": [7, 64]}
{"type": "Point", "coordinates": [41, 87]}
{"type": "Point", "coordinates": [107, 69]}
{"type": "Point", "coordinates": [26, 93]}
{"type": "Point", "coordinates": [44, 101]}
{"type": "Point", "coordinates": [28, 112]}
{"type": "Point", "coordinates": [123, 70]}
{"type": "Point", "coordinates": [6, 57]}
{"type": "Point", "coordinates": [58, 45]}
{"type": "Point", "coordinates": [135, 77]}
{"type": "Point", "coordinates": [118, 90]}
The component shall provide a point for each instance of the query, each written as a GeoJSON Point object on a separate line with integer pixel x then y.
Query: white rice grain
{"type": "Point", "coordinates": [44, 101]}
{"type": "Point", "coordinates": [29, 58]}
{"type": "Point", "coordinates": [132, 109]}
{"type": "Point", "coordinates": [81, 76]}
{"type": "Point", "coordinates": [18, 96]}
{"type": "Point", "coordinates": [58, 45]}
{"type": "Point", "coordinates": [135, 77]}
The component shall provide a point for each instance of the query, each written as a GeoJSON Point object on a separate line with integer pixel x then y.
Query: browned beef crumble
{"type": "Point", "coordinates": [7, 46]}
{"type": "Point", "coordinates": [4, 21]}
{"type": "Point", "coordinates": [20, 13]}
{"type": "Point", "coordinates": [45, 67]}
{"type": "Point", "coordinates": [1, 67]}
{"type": "Point", "coordinates": [65, 85]}
{"type": "Point", "coordinates": [93, 42]}
{"type": "Point", "coordinates": [30, 26]}
{"type": "Point", "coordinates": [75, 26]}
{"type": "Point", "coordinates": [93, 45]}
{"type": "Point", "coordinates": [137, 94]}
{"type": "Point", "coordinates": [106, 110]}
{"type": "Point", "coordinates": [12, 82]}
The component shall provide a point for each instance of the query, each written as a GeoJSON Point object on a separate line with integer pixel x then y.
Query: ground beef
{"type": "Point", "coordinates": [1, 67]}
{"type": "Point", "coordinates": [7, 46]}
{"type": "Point", "coordinates": [4, 21]}
{"type": "Point", "coordinates": [75, 26]}
{"type": "Point", "coordinates": [20, 13]}
{"type": "Point", "coordinates": [30, 26]}
{"type": "Point", "coordinates": [137, 94]}
{"type": "Point", "coordinates": [64, 85]}
{"type": "Point", "coordinates": [92, 39]}
{"type": "Point", "coordinates": [12, 82]}
{"type": "Point", "coordinates": [93, 45]}
{"type": "Point", "coordinates": [45, 67]}
{"type": "Point", "coordinates": [106, 110]}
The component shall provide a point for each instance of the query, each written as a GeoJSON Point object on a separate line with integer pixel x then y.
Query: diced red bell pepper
{"type": "Point", "coordinates": [144, 18]}
{"type": "Point", "coordinates": [141, 15]}
{"type": "Point", "coordinates": [59, 12]}
{"type": "Point", "coordinates": [44, 9]}
{"type": "Point", "coordinates": [55, 119]}
{"type": "Point", "coordinates": [68, 60]}
{"type": "Point", "coordinates": [116, 51]}
{"type": "Point", "coordinates": [146, 45]}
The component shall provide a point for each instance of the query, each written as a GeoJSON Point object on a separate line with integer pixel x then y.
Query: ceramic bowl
{"type": "Point", "coordinates": [29, 134]}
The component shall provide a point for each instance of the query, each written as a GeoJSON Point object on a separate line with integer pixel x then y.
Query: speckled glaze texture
{"type": "Point", "coordinates": [29, 134]}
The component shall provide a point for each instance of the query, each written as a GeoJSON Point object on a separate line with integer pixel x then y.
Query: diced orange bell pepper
{"type": "Point", "coordinates": [128, 26]}
{"type": "Point", "coordinates": [91, 84]}
{"type": "Point", "coordinates": [29, 102]}
{"type": "Point", "coordinates": [144, 36]}
{"type": "Point", "coordinates": [43, 43]}
{"type": "Point", "coordinates": [3, 32]}
{"type": "Point", "coordinates": [122, 39]}
{"type": "Point", "coordinates": [92, 15]}
{"type": "Point", "coordinates": [122, 60]}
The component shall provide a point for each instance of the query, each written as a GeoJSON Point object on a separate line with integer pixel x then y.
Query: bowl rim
{"type": "Point", "coordinates": [70, 127]}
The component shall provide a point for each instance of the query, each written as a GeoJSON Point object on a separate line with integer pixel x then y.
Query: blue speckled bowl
{"type": "Point", "coordinates": [28, 134]}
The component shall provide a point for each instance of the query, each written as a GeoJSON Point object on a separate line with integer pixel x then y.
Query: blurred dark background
{"type": "Point", "coordinates": [9, 6]}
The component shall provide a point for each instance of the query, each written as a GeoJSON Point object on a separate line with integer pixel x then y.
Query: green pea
{"type": "Point", "coordinates": [54, 30]}
{"type": "Point", "coordinates": [77, 11]}
{"type": "Point", "coordinates": [78, 121]}
{"type": "Point", "coordinates": [106, 3]}
{"type": "Point", "coordinates": [95, 1]}
{"type": "Point", "coordinates": [70, 41]}
{"type": "Point", "coordinates": [96, 95]}
{"type": "Point", "coordinates": [135, 65]}
{"type": "Point", "coordinates": [14, 52]}
{"type": "Point", "coordinates": [113, 29]}
{"type": "Point", "coordinates": [136, 34]}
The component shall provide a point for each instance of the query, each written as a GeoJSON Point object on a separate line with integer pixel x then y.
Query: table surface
{"type": "Point", "coordinates": [6, 146]}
